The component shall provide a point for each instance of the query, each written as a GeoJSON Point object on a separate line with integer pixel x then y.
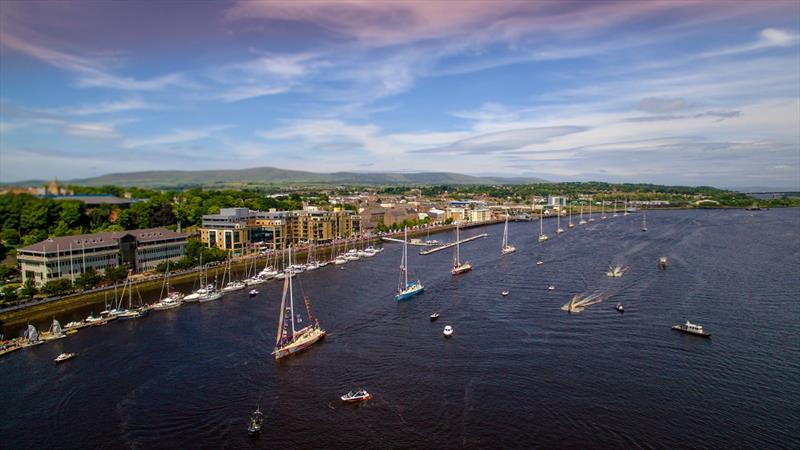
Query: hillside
{"type": "Point", "coordinates": [271, 175]}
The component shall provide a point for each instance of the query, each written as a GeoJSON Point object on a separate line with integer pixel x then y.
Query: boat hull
{"type": "Point", "coordinates": [693, 333]}
{"type": "Point", "coordinates": [304, 343]}
{"type": "Point", "coordinates": [407, 294]}
{"type": "Point", "coordinates": [461, 269]}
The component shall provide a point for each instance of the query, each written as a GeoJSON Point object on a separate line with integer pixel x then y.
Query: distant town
{"type": "Point", "coordinates": [58, 238]}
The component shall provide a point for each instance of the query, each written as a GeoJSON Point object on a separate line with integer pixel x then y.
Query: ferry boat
{"type": "Point", "coordinates": [256, 422]}
{"type": "Point", "coordinates": [407, 289]}
{"type": "Point", "coordinates": [448, 331]}
{"type": "Point", "coordinates": [63, 357]}
{"type": "Point", "coordinates": [355, 397]}
{"type": "Point", "coordinates": [289, 339]}
{"type": "Point", "coordinates": [458, 266]}
{"type": "Point", "coordinates": [692, 328]}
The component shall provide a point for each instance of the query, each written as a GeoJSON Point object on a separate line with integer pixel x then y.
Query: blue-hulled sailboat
{"type": "Point", "coordinates": [406, 289]}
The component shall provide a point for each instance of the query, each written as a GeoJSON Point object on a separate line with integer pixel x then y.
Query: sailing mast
{"type": "Point", "coordinates": [457, 260]}
{"type": "Point", "coordinates": [291, 296]}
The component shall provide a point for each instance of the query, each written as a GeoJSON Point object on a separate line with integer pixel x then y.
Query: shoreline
{"type": "Point", "coordinates": [37, 311]}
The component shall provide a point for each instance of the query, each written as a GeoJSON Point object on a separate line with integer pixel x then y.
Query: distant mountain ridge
{"type": "Point", "coordinates": [272, 175]}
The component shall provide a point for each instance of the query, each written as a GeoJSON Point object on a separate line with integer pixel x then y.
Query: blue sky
{"type": "Point", "coordinates": [666, 92]}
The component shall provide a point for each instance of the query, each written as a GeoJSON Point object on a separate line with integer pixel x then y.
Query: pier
{"type": "Point", "coordinates": [416, 242]}
{"type": "Point", "coordinates": [442, 247]}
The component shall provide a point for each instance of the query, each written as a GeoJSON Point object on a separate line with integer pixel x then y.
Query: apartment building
{"type": "Point", "coordinates": [69, 256]}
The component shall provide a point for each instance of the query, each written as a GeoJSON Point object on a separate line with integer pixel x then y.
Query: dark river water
{"type": "Point", "coordinates": [518, 372]}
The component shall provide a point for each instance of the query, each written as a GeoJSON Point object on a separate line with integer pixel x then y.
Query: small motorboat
{"type": "Point", "coordinates": [551, 288]}
{"type": "Point", "coordinates": [434, 316]}
{"type": "Point", "coordinates": [692, 328]}
{"type": "Point", "coordinates": [255, 422]}
{"type": "Point", "coordinates": [357, 396]}
{"type": "Point", "coordinates": [448, 331]}
{"type": "Point", "coordinates": [253, 293]}
{"type": "Point", "coordinates": [620, 308]}
{"type": "Point", "coordinates": [539, 263]}
{"type": "Point", "coordinates": [63, 357]}
{"type": "Point", "coordinates": [504, 293]}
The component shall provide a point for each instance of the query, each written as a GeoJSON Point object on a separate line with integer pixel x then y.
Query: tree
{"type": "Point", "coordinates": [28, 289]}
{"type": "Point", "coordinates": [9, 292]}
{"type": "Point", "coordinates": [34, 237]}
{"type": "Point", "coordinates": [87, 280]}
{"type": "Point", "coordinates": [57, 287]}
{"type": "Point", "coordinates": [116, 274]}
{"type": "Point", "coordinates": [8, 272]}
{"type": "Point", "coordinates": [10, 236]}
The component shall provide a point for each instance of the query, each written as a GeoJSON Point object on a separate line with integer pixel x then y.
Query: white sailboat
{"type": "Point", "coordinates": [289, 339]}
{"type": "Point", "coordinates": [603, 210]}
{"type": "Point", "coordinates": [644, 220]}
{"type": "Point", "coordinates": [626, 207]}
{"type": "Point", "coordinates": [506, 247]}
{"type": "Point", "coordinates": [591, 219]}
{"type": "Point", "coordinates": [559, 230]}
{"type": "Point", "coordinates": [615, 209]}
{"type": "Point", "coordinates": [542, 236]}
{"type": "Point", "coordinates": [570, 224]}
{"type": "Point", "coordinates": [458, 266]}
{"type": "Point", "coordinates": [581, 222]}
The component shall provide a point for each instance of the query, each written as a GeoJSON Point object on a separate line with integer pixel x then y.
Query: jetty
{"type": "Point", "coordinates": [451, 244]}
{"type": "Point", "coordinates": [416, 242]}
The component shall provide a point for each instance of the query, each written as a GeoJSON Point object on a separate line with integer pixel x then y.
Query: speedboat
{"type": "Point", "coordinates": [358, 396]}
{"type": "Point", "coordinates": [504, 293]}
{"type": "Point", "coordinates": [255, 423]}
{"type": "Point", "coordinates": [539, 263]}
{"type": "Point", "coordinates": [253, 293]}
{"type": "Point", "coordinates": [551, 288]}
{"type": "Point", "coordinates": [692, 328]}
{"type": "Point", "coordinates": [63, 357]}
{"type": "Point", "coordinates": [448, 331]}
{"type": "Point", "coordinates": [434, 316]}
{"type": "Point", "coordinates": [620, 308]}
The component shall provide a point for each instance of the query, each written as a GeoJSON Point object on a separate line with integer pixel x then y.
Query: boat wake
{"type": "Point", "coordinates": [580, 302]}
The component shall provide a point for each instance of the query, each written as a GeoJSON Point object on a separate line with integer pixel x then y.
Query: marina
{"type": "Point", "coordinates": [222, 350]}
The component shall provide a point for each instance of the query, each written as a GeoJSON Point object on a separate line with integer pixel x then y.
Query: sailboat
{"type": "Point", "coordinates": [289, 339]}
{"type": "Point", "coordinates": [644, 220]}
{"type": "Point", "coordinates": [173, 298]}
{"type": "Point", "coordinates": [407, 289]}
{"type": "Point", "coordinates": [55, 332]}
{"type": "Point", "coordinates": [458, 266]}
{"type": "Point", "coordinates": [626, 207]}
{"type": "Point", "coordinates": [591, 219]}
{"type": "Point", "coordinates": [615, 209]}
{"type": "Point", "coordinates": [559, 230]}
{"type": "Point", "coordinates": [581, 222]}
{"type": "Point", "coordinates": [542, 236]}
{"type": "Point", "coordinates": [506, 248]}
{"type": "Point", "coordinates": [232, 285]}
{"type": "Point", "coordinates": [570, 225]}
{"type": "Point", "coordinates": [603, 215]}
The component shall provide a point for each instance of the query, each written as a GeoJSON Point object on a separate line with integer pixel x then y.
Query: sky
{"type": "Point", "coordinates": [672, 92]}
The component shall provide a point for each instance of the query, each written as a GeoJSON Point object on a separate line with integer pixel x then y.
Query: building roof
{"type": "Point", "coordinates": [90, 241]}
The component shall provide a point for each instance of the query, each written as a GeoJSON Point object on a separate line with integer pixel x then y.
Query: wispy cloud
{"type": "Point", "coordinates": [176, 136]}
{"type": "Point", "coordinates": [91, 130]}
{"type": "Point", "coordinates": [768, 38]}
